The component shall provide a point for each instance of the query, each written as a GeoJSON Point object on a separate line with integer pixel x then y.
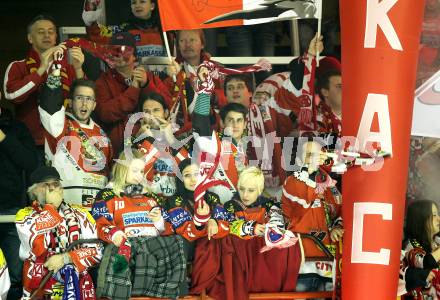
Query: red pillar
{"type": "Point", "coordinates": [380, 41]}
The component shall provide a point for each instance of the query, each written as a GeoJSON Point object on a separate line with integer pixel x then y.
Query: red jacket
{"type": "Point", "coordinates": [310, 212]}
{"type": "Point", "coordinates": [148, 39]}
{"type": "Point", "coordinates": [128, 214]}
{"type": "Point", "coordinates": [180, 218]}
{"type": "Point", "coordinates": [116, 101]}
{"type": "Point", "coordinates": [22, 85]}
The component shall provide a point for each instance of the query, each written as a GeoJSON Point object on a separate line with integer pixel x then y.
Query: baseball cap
{"type": "Point", "coordinates": [124, 39]}
{"type": "Point", "coordinates": [44, 173]}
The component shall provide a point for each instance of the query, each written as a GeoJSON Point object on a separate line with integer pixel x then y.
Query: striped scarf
{"type": "Point", "coordinates": [33, 63]}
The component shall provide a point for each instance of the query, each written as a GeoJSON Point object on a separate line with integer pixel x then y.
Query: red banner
{"type": "Point", "coordinates": [379, 57]}
{"type": "Point", "coordinates": [193, 14]}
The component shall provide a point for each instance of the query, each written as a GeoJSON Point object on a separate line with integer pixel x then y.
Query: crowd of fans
{"type": "Point", "coordinates": [171, 182]}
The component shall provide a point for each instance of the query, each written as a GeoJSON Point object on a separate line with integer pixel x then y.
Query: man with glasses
{"type": "Point", "coordinates": [46, 229]}
{"type": "Point", "coordinates": [75, 145]}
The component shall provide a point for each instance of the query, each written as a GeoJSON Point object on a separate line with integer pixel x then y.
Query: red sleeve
{"type": "Point", "coordinates": [151, 156]}
{"type": "Point", "coordinates": [336, 202]}
{"type": "Point", "coordinates": [103, 213]}
{"type": "Point", "coordinates": [289, 201]}
{"type": "Point", "coordinates": [96, 35]}
{"type": "Point", "coordinates": [223, 229]}
{"type": "Point", "coordinates": [178, 221]}
{"type": "Point", "coordinates": [18, 85]}
{"type": "Point", "coordinates": [287, 100]}
{"type": "Point", "coordinates": [112, 108]}
{"type": "Point", "coordinates": [190, 232]}
{"type": "Point", "coordinates": [157, 86]}
{"type": "Point", "coordinates": [169, 83]}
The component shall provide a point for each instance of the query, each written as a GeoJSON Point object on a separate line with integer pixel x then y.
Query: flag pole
{"type": "Point", "coordinates": [319, 8]}
{"type": "Point", "coordinates": [167, 47]}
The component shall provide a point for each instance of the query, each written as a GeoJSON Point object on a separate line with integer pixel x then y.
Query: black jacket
{"type": "Point", "coordinates": [18, 158]}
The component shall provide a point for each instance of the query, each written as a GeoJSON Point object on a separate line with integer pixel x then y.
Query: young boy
{"type": "Point", "coordinates": [312, 205]}
{"type": "Point", "coordinates": [228, 144]}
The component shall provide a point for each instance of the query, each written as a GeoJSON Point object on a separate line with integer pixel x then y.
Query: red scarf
{"type": "Point", "coordinates": [307, 113]}
{"type": "Point", "coordinates": [260, 125]}
{"type": "Point", "coordinates": [33, 63]}
{"type": "Point", "coordinates": [329, 123]}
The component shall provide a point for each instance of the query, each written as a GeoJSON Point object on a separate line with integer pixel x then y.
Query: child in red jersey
{"type": "Point", "coordinates": [130, 219]}
{"type": "Point", "coordinates": [181, 217]}
{"type": "Point", "coordinates": [312, 204]}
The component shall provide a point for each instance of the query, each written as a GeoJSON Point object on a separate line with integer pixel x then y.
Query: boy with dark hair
{"type": "Point", "coordinates": [75, 145]}
{"type": "Point", "coordinates": [228, 144]}
{"type": "Point", "coordinates": [238, 89]}
{"type": "Point", "coordinates": [261, 125]}
{"type": "Point", "coordinates": [329, 109]}
{"type": "Point", "coordinates": [233, 120]}
{"type": "Point", "coordinates": [155, 138]}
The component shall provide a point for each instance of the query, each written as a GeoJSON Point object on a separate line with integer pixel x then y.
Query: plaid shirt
{"type": "Point", "coordinates": [159, 267]}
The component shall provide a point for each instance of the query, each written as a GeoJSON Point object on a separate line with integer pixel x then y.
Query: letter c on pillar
{"type": "Point", "coordinates": [359, 211]}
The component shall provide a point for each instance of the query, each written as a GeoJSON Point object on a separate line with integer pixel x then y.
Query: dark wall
{"type": "Point", "coordinates": [15, 15]}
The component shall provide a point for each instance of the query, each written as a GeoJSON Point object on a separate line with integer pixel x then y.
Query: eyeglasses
{"type": "Point", "coordinates": [82, 98]}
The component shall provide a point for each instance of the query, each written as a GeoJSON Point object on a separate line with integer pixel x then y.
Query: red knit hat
{"type": "Point", "coordinates": [326, 64]}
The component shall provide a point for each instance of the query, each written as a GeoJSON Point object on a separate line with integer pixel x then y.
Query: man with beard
{"type": "Point", "coordinates": [155, 138]}
{"type": "Point", "coordinates": [190, 54]}
{"type": "Point", "coordinates": [46, 230]}
{"type": "Point", "coordinates": [75, 145]}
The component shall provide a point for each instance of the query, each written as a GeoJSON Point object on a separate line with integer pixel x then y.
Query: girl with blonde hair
{"type": "Point", "coordinates": [137, 261]}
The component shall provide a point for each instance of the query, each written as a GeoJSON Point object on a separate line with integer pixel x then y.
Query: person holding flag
{"type": "Point", "coordinates": [182, 80]}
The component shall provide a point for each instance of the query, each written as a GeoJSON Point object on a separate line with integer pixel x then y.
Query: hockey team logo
{"type": "Point", "coordinates": [85, 252]}
{"type": "Point", "coordinates": [136, 218]}
{"type": "Point", "coordinates": [45, 221]}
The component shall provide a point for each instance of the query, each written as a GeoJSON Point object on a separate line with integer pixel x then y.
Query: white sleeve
{"type": "Point", "coordinates": [54, 124]}
{"type": "Point", "coordinates": [160, 224]}
{"type": "Point", "coordinates": [5, 283]}
{"type": "Point", "coordinates": [92, 16]}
